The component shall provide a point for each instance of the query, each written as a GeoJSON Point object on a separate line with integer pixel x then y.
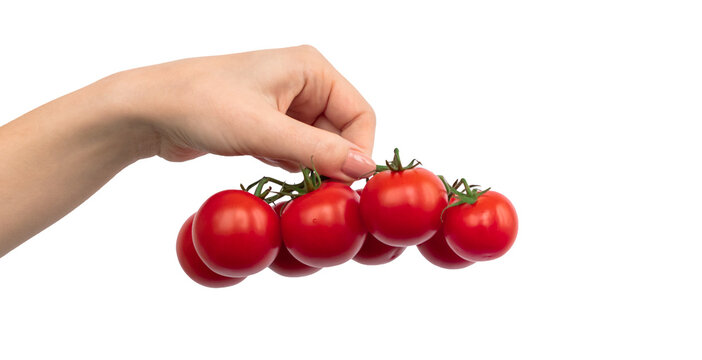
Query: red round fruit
{"type": "Point", "coordinates": [236, 234]}
{"type": "Point", "coordinates": [482, 231]}
{"type": "Point", "coordinates": [373, 252]}
{"type": "Point", "coordinates": [278, 208]}
{"type": "Point", "coordinates": [285, 264]}
{"type": "Point", "coordinates": [403, 208]}
{"type": "Point", "coordinates": [323, 227]}
{"type": "Point", "coordinates": [437, 251]}
{"type": "Point", "coordinates": [193, 265]}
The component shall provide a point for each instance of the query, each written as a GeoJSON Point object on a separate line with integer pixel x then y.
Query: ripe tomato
{"type": "Point", "coordinates": [403, 208]}
{"type": "Point", "coordinates": [285, 264]}
{"type": "Point", "coordinates": [236, 234]}
{"type": "Point", "coordinates": [323, 227]}
{"type": "Point", "coordinates": [373, 252]}
{"type": "Point", "coordinates": [482, 231]}
{"type": "Point", "coordinates": [193, 265]}
{"type": "Point", "coordinates": [437, 251]}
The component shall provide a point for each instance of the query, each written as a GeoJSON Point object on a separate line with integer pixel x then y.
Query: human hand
{"type": "Point", "coordinates": [284, 106]}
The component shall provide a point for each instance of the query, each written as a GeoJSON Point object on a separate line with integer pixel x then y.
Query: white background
{"type": "Point", "coordinates": [582, 112]}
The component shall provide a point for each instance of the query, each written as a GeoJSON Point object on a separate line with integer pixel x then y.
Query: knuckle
{"type": "Point", "coordinates": [371, 117]}
{"type": "Point", "coordinates": [310, 61]}
{"type": "Point", "coordinates": [309, 50]}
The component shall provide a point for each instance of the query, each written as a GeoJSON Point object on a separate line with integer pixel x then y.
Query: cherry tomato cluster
{"type": "Point", "coordinates": [236, 233]}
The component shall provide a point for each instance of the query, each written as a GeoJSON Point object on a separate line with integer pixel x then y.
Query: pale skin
{"type": "Point", "coordinates": [283, 106]}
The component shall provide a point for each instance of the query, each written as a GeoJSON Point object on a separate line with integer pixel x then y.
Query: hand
{"type": "Point", "coordinates": [286, 107]}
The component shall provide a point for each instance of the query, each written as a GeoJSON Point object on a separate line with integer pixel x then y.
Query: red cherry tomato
{"type": "Point", "coordinates": [482, 231]}
{"type": "Point", "coordinates": [285, 264]}
{"type": "Point", "coordinates": [236, 234]}
{"type": "Point", "coordinates": [278, 208]}
{"type": "Point", "coordinates": [403, 208]}
{"type": "Point", "coordinates": [437, 251]}
{"type": "Point", "coordinates": [373, 252]}
{"type": "Point", "coordinates": [323, 227]}
{"type": "Point", "coordinates": [193, 265]}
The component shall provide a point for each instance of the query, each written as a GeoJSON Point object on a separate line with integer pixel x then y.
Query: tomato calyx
{"type": "Point", "coordinates": [396, 164]}
{"type": "Point", "coordinates": [311, 181]}
{"type": "Point", "coordinates": [469, 195]}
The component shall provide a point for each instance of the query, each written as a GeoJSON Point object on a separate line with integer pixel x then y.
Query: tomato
{"type": "Point", "coordinates": [285, 264]}
{"type": "Point", "coordinates": [482, 231]}
{"type": "Point", "coordinates": [403, 208]}
{"type": "Point", "coordinates": [373, 252]}
{"type": "Point", "coordinates": [437, 251]}
{"type": "Point", "coordinates": [323, 227]}
{"type": "Point", "coordinates": [193, 265]}
{"type": "Point", "coordinates": [236, 234]}
{"type": "Point", "coordinates": [278, 208]}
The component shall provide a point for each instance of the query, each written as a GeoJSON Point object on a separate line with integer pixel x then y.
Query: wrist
{"type": "Point", "coordinates": [121, 116]}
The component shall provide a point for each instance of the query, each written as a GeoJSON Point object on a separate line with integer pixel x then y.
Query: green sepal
{"type": "Point", "coordinates": [469, 195]}
{"type": "Point", "coordinates": [394, 165]}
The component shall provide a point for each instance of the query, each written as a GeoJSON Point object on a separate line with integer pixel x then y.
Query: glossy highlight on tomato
{"type": "Point", "coordinates": [403, 208]}
{"type": "Point", "coordinates": [236, 234]}
{"type": "Point", "coordinates": [437, 252]}
{"type": "Point", "coordinates": [481, 231]}
{"type": "Point", "coordinates": [323, 228]}
{"type": "Point", "coordinates": [192, 264]}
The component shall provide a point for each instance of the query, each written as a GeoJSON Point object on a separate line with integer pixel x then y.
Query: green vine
{"type": "Point", "coordinates": [469, 195]}
{"type": "Point", "coordinates": [311, 181]}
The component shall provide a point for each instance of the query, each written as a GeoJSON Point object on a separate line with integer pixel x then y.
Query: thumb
{"type": "Point", "coordinates": [290, 140]}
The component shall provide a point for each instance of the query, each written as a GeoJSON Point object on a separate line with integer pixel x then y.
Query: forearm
{"type": "Point", "coordinates": [56, 156]}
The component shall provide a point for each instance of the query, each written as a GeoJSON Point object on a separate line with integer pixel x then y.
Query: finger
{"type": "Point", "coordinates": [326, 92]}
{"type": "Point", "coordinates": [287, 139]}
{"type": "Point", "coordinates": [348, 111]}
{"type": "Point", "coordinates": [286, 165]}
{"type": "Point", "coordinates": [325, 124]}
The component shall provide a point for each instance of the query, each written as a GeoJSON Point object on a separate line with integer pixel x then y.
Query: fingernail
{"type": "Point", "coordinates": [357, 164]}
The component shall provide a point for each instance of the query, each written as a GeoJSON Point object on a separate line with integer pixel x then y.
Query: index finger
{"type": "Point", "coordinates": [349, 112]}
